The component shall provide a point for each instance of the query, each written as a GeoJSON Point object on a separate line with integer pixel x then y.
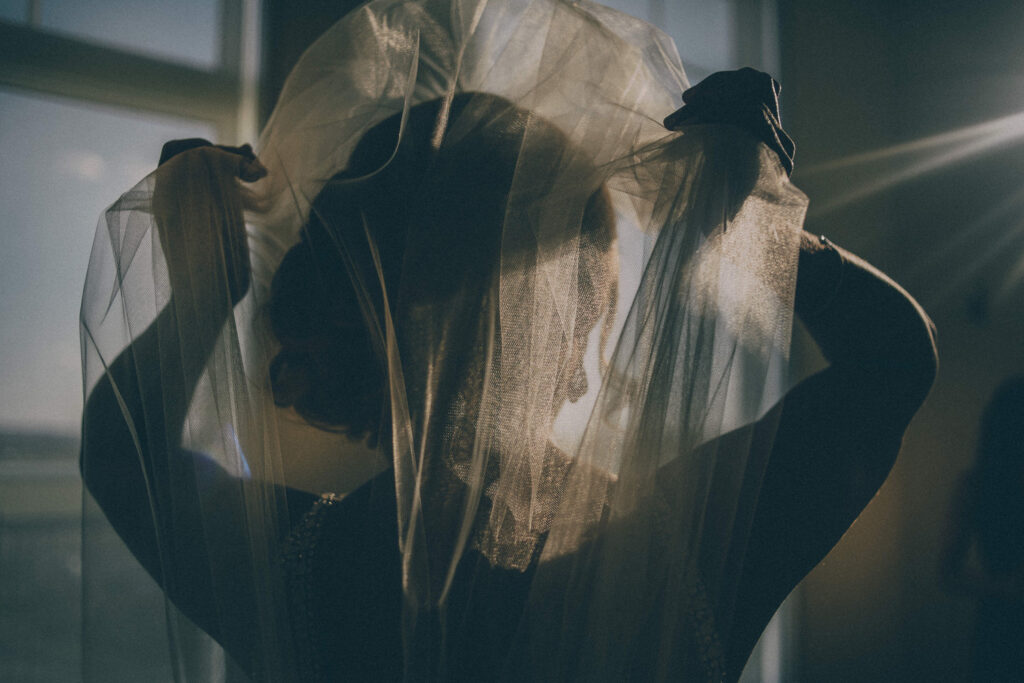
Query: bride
{"type": "Point", "coordinates": [552, 333]}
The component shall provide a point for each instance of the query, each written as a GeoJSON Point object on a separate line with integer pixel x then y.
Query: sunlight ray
{"type": "Point", "coordinates": [957, 154]}
{"type": "Point", "coordinates": [1011, 122]}
{"type": "Point", "coordinates": [971, 233]}
{"type": "Point", "coordinates": [1011, 281]}
{"type": "Point", "coordinates": [970, 267]}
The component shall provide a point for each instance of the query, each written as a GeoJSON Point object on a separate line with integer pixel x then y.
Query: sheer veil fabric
{"type": "Point", "coordinates": [577, 315]}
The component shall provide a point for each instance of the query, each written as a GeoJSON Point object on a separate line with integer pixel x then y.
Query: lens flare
{"type": "Point", "coordinates": [910, 160]}
{"type": "Point", "coordinates": [990, 236]}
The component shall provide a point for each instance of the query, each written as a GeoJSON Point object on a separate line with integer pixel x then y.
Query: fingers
{"type": "Point", "coordinates": [251, 170]}
{"type": "Point", "coordinates": [173, 148]}
{"type": "Point", "coordinates": [245, 165]}
{"type": "Point", "coordinates": [746, 98]}
{"type": "Point", "coordinates": [735, 94]}
{"type": "Point", "coordinates": [242, 151]}
{"type": "Point", "coordinates": [238, 161]}
{"type": "Point", "coordinates": [686, 116]}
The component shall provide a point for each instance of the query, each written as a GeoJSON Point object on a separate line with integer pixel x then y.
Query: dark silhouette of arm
{"type": "Point", "coordinates": [182, 516]}
{"type": "Point", "coordinates": [839, 431]}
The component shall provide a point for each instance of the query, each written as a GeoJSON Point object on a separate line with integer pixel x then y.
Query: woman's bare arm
{"type": "Point", "coordinates": [839, 431]}
{"type": "Point", "coordinates": [157, 496]}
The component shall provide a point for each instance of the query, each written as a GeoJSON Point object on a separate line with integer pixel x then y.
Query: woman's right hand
{"type": "Point", "coordinates": [198, 203]}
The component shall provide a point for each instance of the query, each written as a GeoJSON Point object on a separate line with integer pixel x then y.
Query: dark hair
{"type": "Point", "coordinates": [326, 295]}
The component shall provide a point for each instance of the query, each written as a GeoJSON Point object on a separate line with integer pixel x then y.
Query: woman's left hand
{"type": "Point", "coordinates": [746, 98]}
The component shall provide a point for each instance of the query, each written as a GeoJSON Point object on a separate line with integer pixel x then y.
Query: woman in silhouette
{"type": "Point", "coordinates": [448, 282]}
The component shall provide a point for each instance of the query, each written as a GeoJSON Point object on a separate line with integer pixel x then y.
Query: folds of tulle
{"type": "Point", "coordinates": [626, 490]}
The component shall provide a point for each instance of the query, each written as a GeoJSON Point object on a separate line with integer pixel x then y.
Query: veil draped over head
{"type": "Point", "coordinates": [477, 250]}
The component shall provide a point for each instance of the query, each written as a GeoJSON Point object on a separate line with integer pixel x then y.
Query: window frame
{"type": "Point", "coordinates": [38, 60]}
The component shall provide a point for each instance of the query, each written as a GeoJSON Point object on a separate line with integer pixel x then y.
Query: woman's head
{"type": "Point", "coordinates": [427, 224]}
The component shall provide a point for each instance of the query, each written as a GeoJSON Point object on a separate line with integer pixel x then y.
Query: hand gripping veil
{"type": "Point", "coordinates": [478, 249]}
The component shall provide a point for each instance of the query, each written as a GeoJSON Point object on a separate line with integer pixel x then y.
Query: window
{"type": "Point", "coordinates": [186, 31]}
{"type": "Point", "coordinates": [88, 94]}
{"type": "Point", "coordinates": [714, 35]}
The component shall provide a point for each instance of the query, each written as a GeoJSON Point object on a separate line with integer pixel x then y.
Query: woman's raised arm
{"type": "Point", "coordinates": [839, 431]}
{"type": "Point", "coordinates": [158, 497]}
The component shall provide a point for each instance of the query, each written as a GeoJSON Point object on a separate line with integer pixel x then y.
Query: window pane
{"type": "Point", "coordinates": [704, 30]}
{"type": "Point", "coordinates": [185, 31]}
{"type": "Point", "coordinates": [14, 10]}
{"type": "Point", "coordinates": [705, 33]}
{"type": "Point", "coordinates": [63, 163]}
{"type": "Point", "coordinates": [40, 559]}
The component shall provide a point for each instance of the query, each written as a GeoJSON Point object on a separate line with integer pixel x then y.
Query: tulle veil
{"type": "Point", "coordinates": [606, 451]}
